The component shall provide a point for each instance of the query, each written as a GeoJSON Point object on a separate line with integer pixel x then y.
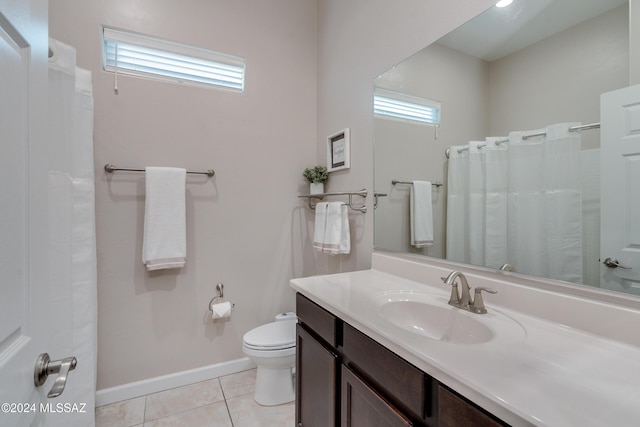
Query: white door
{"type": "Point", "coordinates": [620, 189]}
{"type": "Point", "coordinates": [23, 208]}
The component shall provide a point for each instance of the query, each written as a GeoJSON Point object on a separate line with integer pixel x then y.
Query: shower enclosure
{"type": "Point", "coordinates": [518, 200]}
{"type": "Point", "coordinates": [72, 250]}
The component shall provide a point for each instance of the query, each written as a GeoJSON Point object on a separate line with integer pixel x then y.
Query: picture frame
{"type": "Point", "coordinates": [339, 150]}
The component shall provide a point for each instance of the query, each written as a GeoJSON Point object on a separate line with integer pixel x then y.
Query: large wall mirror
{"type": "Point", "coordinates": [496, 112]}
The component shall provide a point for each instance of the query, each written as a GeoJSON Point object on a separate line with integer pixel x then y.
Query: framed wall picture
{"type": "Point", "coordinates": [339, 151]}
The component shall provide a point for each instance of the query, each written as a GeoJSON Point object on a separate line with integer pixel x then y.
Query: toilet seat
{"type": "Point", "coordinates": [271, 336]}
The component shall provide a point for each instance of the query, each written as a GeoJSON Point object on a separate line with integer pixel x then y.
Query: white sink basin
{"type": "Point", "coordinates": [430, 316]}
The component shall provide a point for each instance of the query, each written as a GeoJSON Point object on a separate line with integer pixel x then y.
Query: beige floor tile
{"type": "Point", "coordinates": [121, 414]}
{"type": "Point", "coordinates": [237, 384]}
{"type": "Point", "coordinates": [212, 415]}
{"type": "Point", "coordinates": [245, 412]}
{"type": "Point", "coordinates": [180, 399]}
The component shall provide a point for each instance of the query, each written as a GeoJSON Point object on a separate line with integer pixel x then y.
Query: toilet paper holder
{"type": "Point", "coordinates": [218, 298]}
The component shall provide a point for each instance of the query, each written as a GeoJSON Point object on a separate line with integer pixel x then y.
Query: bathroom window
{"type": "Point", "coordinates": [399, 106]}
{"type": "Point", "coordinates": [151, 57]}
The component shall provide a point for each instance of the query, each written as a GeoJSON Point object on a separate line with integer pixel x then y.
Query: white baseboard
{"type": "Point", "coordinates": [165, 382]}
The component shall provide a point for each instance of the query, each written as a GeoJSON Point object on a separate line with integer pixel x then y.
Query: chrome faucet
{"type": "Point", "coordinates": [507, 267]}
{"type": "Point", "coordinates": [455, 299]}
{"type": "Point", "coordinates": [463, 300]}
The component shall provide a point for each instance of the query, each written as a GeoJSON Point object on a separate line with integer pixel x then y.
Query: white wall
{"type": "Point", "coordinates": [560, 79]}
{"type": "Point", "coordinates": [245, 227]}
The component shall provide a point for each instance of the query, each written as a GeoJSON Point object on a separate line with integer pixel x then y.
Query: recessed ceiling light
{"type": "Point", "coordinates": [503, 3]}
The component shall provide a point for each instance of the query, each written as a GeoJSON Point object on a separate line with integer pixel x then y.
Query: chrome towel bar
{"type": "Point", "coordinates": [394, 182]}
{"type": "Point", "coordinates": [362, 193]}
{"type": "Point", "coordinates": [109, 168]}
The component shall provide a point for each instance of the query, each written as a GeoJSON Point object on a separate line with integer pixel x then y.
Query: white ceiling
{"type": "Point", "coordinates": [500, 31]}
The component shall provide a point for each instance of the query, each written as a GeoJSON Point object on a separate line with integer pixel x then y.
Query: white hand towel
{"type": "Point", "coordinates": [319, 226]}
{"type": "Point", "coordinates": [337, 239]}
{"type": "Point", "coordinates": [421, 213]}
{"type": "Point", "coordinates": [165, 241]}
{"type": "Point", "coordinates": [345, 232]}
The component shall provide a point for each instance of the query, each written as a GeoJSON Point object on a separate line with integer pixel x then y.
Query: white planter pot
{"type": "Point", "coordinates": [316, 188]}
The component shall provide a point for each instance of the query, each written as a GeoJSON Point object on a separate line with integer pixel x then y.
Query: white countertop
{"type": "Point", "coordinates": [552, 375]}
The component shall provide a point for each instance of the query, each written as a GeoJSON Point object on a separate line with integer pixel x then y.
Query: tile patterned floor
{"type": "Point", "coordinates": [221, 402]}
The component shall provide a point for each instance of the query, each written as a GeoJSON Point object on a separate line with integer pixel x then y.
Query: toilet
{"type": "Point", "coordinates": [272, 347]}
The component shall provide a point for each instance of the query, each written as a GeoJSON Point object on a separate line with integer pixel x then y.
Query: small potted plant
{"type": "Point", "coordinates": [316, 177]}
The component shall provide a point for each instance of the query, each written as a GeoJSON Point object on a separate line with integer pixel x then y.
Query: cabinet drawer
{"type": "Point", "coordinates": [454, 411]}
{"type": "Point", "coordinates": [319, 320]}
{"type": "Point", "coordinates": [400, 382]}
{"type": "Point", "coordinates": [363, 407]}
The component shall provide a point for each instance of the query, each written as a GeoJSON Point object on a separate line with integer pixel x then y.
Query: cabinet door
{"type": "Point", "coordinates": [406, 386]}
{"type": "Point", "coordinates": [316, 382]}
{"type": "Point", "coordinates": [457, 412]}
{"type": "Point", "coordinates": [363, 407]}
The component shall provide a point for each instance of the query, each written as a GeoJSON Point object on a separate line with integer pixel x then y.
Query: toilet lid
{"type": "Point", "coordinates": [272, 335]}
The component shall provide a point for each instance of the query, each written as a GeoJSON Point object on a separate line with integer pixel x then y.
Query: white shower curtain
{"type": "Point", "coordinates": [496, 181]}
{"type": "Point", "coordinates": [457, 204]}
{"type": "Point", "coordinates": [522, 204]}
{"type": "Point", "coordinates": [477, 190]}
{"type": "Point", "coordinates": [72, 231]}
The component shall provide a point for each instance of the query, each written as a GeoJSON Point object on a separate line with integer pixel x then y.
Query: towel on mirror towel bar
{"type": "Point", "coordinates": [421, 214]}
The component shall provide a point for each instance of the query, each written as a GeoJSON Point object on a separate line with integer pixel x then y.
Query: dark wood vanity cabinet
{"type": "Point", "coordinates": [454, 411]}
{"type": "Point", "coordinates": [362, 406]}
{"type": "Point", "coordinates": [401, 383]}
{"type": "Point", "coordinates": [316, 382]}
{"type": "Point", "coordinates": [317, 364]}
{"type": "Point", "coordinates": [344, 378]}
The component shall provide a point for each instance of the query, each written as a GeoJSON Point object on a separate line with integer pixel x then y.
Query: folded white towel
{"type": "Point", "coordinates": [319, 226]}
{"type": "Point", "coordinates": [165, 240]}
{"type": "Point", "coordinates": [336, 234]}
{"type": "Point", "coordinates": [421, 214]}
{"type": "Point", "coordinates": [331, 233]}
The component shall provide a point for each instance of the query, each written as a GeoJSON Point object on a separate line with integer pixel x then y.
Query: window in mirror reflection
{"type": "Point", "coordinates": [399, 106]}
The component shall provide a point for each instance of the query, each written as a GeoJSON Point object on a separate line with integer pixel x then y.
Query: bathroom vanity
{"type": "Point", "coordinates": [382, 347]}
{"type": "Point", "coordinates": [345, 378]}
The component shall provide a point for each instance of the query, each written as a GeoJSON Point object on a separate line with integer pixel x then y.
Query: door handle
{"type": "Point", "coordinates": [614, 263]}
{"type": "Point", "coordinates": [45, 366]}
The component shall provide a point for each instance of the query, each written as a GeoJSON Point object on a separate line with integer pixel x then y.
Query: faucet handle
{"type": "Point", "coordinates": [478, 303]}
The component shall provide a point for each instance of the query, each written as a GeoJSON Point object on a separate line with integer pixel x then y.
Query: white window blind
{"type": "Point", "coordinates": [146, 56]}
{"type": "Point", "coordinates": [399, 106]}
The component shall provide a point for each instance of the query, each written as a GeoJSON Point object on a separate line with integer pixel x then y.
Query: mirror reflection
{"type": "Point", "coordinates": [513, 98]}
